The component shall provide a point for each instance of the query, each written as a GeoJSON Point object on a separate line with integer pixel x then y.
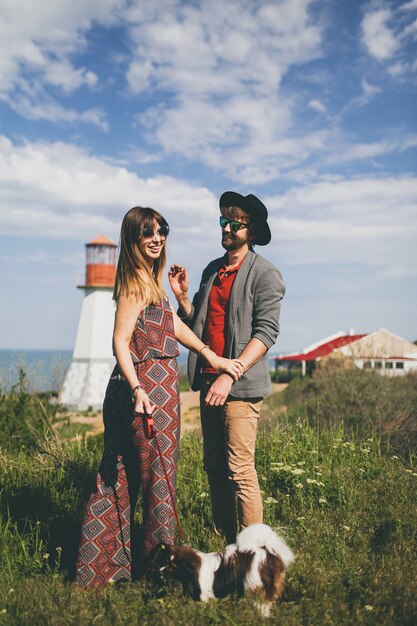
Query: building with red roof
{"type": "Point", "coordinates": [381, 350]}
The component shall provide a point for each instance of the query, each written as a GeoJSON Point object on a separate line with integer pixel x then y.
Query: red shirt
{"type": "Point", "coordinates": [215, 330]}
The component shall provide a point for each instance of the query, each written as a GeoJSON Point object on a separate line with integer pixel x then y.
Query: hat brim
{"type": "Point", "coordinates": [232, 198]}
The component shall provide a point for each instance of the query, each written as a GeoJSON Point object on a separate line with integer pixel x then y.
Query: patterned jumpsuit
{"type": "Point", "coordinates": [131, 461]}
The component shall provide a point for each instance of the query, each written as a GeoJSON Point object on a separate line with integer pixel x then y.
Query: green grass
{"type": "Point", "coordinates": [184, 383]}
{"type": "Point", "coordinates": [345, 505]}
{"type": "Point", "coordinates": [70, 430]}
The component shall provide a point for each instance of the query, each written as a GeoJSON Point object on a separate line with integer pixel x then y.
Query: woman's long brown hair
{"type": "Point", "coordinates": [133, 274]}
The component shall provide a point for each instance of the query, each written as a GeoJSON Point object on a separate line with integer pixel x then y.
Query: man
{"type": "Point", "coordinates": [236, 313]}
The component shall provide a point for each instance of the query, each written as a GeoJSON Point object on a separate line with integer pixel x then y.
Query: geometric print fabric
{"type": "Point", "coordinates": [131, 462]}
{"type": "Point", "coordinates": [154, 333]}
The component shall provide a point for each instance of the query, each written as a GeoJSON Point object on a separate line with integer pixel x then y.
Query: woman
{"type": "Point", "coordinates": [144, 381]}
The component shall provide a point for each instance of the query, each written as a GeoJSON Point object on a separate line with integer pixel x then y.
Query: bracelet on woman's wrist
{"type": "Point", "coordinates": [201, 349]}
{"type": "Point", "coordinates": [134, 390]}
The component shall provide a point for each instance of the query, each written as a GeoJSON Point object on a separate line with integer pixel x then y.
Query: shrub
{"type": "Point", "coordinates": [365, 402]}
{"type": "Point", "coordinates": [25, 418]}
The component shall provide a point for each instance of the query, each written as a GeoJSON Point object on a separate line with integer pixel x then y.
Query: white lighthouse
{"type": "Point", "coordinates": [93, 361]}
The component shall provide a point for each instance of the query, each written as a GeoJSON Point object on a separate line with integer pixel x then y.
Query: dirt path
{"type": "Point", "coordinates": [190, 413]}
{"type": "Point", "coordinates": [190, 416]}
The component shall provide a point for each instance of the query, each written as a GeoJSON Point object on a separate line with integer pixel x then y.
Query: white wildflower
{"type": "Point", "coordinates": [271, 500]}
{"type": "Point", "coordinates": [297, 471]}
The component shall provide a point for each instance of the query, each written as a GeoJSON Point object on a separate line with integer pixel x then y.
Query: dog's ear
{"type": "Point", "coordinates": [159, 554]}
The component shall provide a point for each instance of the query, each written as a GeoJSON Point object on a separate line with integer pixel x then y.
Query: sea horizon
{"type": "Point", "coordinates": [45, 369]}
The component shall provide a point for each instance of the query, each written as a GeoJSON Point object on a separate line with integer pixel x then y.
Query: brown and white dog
{"type": "Point", "coordinates": [257, 561]}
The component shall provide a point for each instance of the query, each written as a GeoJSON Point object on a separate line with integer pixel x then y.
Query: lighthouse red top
{"type": "Point", "coordinates": [100, 268]}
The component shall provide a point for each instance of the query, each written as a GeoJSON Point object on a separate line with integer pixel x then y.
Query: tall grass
{"type": "Point", "coordinates": [346, 508]}
{"type": "Point", "coordinates": [363, 401]}
{"type": "Point", "coordinates": [25, 417]}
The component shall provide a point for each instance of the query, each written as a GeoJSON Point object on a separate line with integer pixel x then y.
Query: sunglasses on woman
{"type": "Point", "coordinates": [234, 225]}
{"type": "Point", "coordinates": [148, 233]}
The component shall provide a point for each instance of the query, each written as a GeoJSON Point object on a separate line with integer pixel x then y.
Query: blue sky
{"type": "Point", "coordinates": [311, 105]}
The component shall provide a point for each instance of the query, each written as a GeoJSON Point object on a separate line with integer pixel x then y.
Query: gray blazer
{"type": "Point", "coordinates": [254, 309]}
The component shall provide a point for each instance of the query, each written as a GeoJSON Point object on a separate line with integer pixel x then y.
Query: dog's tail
{"type": "Point", "coordinates": [262, 536]}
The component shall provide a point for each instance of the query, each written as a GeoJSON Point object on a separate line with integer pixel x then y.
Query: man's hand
{"type": "Point", "coordinates": [219, 390]}
{"type": "Point", "coordinates": [178, 279]}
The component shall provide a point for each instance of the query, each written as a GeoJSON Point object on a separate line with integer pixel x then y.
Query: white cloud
{"type": "Point", "coordinates": [409, 6]}
{"type": "Point", "coordinates": [386, 32]}
{"type": "Point", "coordinates": [62, 75]}
{"type": "Point", "coordinates": [398, 69]}
{"type": "Point", "coordinates": [411, 30]}
{"type": "Point", "coordinates": [377, 36]}
{"type": "Point", "coordinates": [36, 44]}
{"type": "Point", "coordinates": [370, 90]}
{"type": "Point", "coordinates": [60, 191]}
{"type": "Point", "coordinates": [366, 221]}
{"type": "Point", "coordinates": [316, 105]}
{"type": "Point", "coordinates": [224, 77]}
{"type": "Point", "coordinates": [48, 109]}
{"type": "Point", "coordinates": [351, 152]}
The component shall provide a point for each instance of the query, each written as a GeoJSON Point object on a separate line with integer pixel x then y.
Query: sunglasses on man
{"type": "Point", "coordinates": [234, 224]}
{"type": "Point", "coordinates": [148, 233]}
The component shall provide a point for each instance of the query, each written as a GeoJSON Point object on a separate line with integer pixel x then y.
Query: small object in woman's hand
{"type": "Point", "coordinates": [148, 425]}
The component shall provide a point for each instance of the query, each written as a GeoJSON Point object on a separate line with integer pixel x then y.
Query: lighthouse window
{"type": "Point", "coordinates": [101, 255]}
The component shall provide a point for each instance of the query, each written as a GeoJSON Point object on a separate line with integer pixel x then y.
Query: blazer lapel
{"type": "Point", "coordinates": [202, 313]}
{"type": "Point", "coordinates": [236, 295]}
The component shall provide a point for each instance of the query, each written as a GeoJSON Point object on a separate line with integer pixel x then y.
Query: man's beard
{"type": "Point", "coordinates": [230, 242]}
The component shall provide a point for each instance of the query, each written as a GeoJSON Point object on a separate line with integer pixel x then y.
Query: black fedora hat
{"type": "Point", "coordinates": [255, 208]}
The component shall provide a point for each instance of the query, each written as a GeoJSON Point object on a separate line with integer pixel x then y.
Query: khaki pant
{"type": "Point", "coordinates": [229, 435]}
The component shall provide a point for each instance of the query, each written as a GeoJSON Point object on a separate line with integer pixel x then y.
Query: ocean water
{"type": "Point", "coordinates": [45, 369]}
